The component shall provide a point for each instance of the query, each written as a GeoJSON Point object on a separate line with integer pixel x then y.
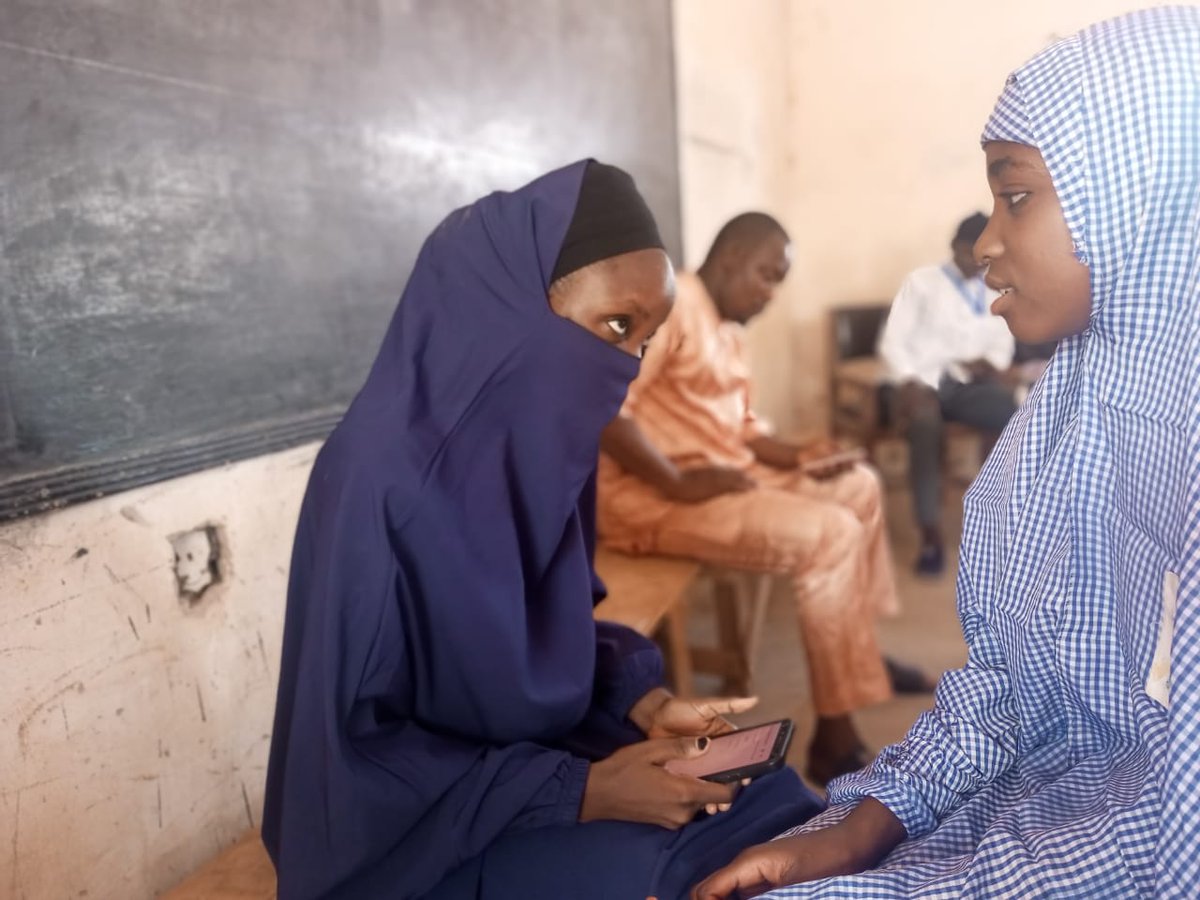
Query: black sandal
{"type": "Point", "coordinates": [908, 679]}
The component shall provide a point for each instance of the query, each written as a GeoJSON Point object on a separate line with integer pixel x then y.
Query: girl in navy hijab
{"type": "Point", "coordinates": [451, 721]}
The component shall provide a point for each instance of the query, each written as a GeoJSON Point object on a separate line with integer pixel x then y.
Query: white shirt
{"type": "Point", "coordinates": [939, 321]}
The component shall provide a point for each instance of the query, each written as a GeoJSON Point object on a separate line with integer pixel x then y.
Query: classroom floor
{"type": "Point", "coordinates": [926, 633]}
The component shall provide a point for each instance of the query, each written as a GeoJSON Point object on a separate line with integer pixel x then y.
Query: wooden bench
{"type": "Point", "coordinates": [243, 872]}
{"type": "Point", "coordinates": [650, 594]}
{"type": "Point", "coordinates": [646, 593]}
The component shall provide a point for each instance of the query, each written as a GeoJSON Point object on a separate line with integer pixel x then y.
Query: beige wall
{"type": "Point", "coordinates": [874, 110]}
{"type": "Point", "coordinates": [134, 728]}
{"type": "Point", "coordinates": [733, 99]}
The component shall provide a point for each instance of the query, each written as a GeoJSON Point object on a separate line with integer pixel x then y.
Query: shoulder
{"type": "Point", "coordinates": [926, 276]}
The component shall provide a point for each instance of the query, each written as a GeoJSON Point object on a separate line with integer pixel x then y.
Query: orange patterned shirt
{"type": "Point", "coordinates": [692, 395]}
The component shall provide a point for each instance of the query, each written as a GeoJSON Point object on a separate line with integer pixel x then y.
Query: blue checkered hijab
{"type": "Point", "coordinates": [1100, 471]}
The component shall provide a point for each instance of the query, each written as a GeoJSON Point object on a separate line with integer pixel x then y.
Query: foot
{"type": "Point", "coordinates": [907, 679]}
{"type": "Point", "coordinates": [823, 769]}
{"type": "Point", "coordinates": [931, 560]}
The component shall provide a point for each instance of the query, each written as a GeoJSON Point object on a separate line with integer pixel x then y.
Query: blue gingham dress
{"type": "Point", "coordinates": [1064, 759]}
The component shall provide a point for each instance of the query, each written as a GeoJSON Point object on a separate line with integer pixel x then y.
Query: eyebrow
{"type": "Point", "coordinates": [638, 308]}
{"type": "Point", "coordinates": [998, 167]}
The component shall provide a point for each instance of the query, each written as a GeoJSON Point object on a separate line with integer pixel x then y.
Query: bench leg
{"type": "Point", "coordinates": [758, 600]}
{"type": "Point", "coordinates": [729, 638]}
{"type": "Point", "coordinates": [679, 649]}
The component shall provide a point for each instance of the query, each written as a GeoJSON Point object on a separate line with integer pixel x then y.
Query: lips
{"type": "Point", "coordinates": [1003, 303]}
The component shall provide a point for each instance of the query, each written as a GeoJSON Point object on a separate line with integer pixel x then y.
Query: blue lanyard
{"type": "Point", "coordinates": [975, 299]}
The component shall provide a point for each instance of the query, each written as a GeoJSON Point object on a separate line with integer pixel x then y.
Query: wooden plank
{"type": "Point", "coordinates": [641, 589]}
{"type": "Point", "coordinates": [243, 872]}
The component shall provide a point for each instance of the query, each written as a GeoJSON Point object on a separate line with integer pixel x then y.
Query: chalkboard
{"type": "Point", "coordinates": [208, 209]}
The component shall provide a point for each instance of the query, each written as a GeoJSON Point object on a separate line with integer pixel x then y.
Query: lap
{"type": "Point", "coordinates": [768, 527]}
{"type": "Point", "coordinates": [620, 860]}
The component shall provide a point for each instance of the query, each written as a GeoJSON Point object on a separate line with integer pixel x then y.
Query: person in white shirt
{"type": "Point", "coordinates": [949, 360]}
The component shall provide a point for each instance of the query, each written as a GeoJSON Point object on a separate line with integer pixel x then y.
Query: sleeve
{"type": "Point", "coordinates": [496, 790]}
{"type": "Point", "coordinates": [899, 344]}
{"type": "Point", "coordinates": [754, 426]}
{"type": "Point", "coordinates": [967, 740]}
{"type": "Point", "coordinates": [1177, 862]}
{"type": "Point", "coordinates": [628, 666]}
{"type": "Point", "coordinates": [662, 347]}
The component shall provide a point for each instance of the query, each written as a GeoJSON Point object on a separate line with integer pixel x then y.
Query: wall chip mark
{"type": "Point", "coordinates": [147, 612]}
{"type": "Point", "coordinates": [158, 785]}
{"type": "Point", "coordinates": [131, 514]}
{"type": "Point", "coordinates": [66, 725]}
{"type": "Point", "coordinates": [80, 553]}
{"type": "Point", "coordinates": [133, 627]}
{"type": "Point", "coordinates": [246, 800]}
{"type": "Point", "coordinates": [200, 700]}
{"type": "Point", "coordinates": [262, 649]}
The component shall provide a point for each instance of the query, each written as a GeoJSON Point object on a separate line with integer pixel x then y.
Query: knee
{"type": "Point", "coordinates": [842, 533]}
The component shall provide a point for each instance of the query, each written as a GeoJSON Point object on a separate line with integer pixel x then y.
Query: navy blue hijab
{"type": "Point", "coordinates": [440, 657]}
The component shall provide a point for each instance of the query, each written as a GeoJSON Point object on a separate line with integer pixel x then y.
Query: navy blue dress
{"type": "Point", "coordinates": [443, 683]}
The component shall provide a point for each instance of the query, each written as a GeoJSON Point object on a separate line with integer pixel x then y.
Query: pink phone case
{"type": "Point", "coordinates": [746, 753]}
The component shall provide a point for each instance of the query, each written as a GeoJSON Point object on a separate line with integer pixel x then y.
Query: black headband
{"type": "Point", "coordinates": [610, 218]}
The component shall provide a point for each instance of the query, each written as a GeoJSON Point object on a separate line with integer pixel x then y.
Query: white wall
{"type": "Point", "coordinates": [732, 79]}
{"type": "Point", "coordinates": [133, 728]}
{"type": "Point", "coordinates": [874, 158]}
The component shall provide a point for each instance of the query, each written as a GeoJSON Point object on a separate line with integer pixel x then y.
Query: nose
{"type": "Point", "coordinates": [988, 247]}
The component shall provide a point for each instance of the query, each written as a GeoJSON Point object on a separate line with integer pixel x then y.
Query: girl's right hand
{"type": "Point", "coordinates": [632, 785]}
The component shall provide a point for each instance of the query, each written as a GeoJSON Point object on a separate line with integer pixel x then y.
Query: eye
{"type": "Point", "coordinates": [1015, 199]}
{"type": "Point", "coordinates": [618, 325]}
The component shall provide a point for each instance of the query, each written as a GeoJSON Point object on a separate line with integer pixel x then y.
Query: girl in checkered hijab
{"type": "Point", "coordinates": [1064, 759]}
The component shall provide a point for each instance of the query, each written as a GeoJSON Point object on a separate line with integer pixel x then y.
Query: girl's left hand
{"type": "Point", "coordinates": [659, 714]}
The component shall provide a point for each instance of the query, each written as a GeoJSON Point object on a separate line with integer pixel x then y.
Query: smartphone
{"type": "Point", "coordinates": [746, 753]}
{"type": "Point", "coordinates": [853, 455]}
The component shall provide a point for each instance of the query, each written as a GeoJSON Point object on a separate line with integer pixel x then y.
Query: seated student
{"type": "Point", "coordinates": [948, 357]}
{"type": "Point", "coordinates": [451, 721]}
{"type": "Point", "coordinates": [689, 471]}
{"type": "Point", "coordinates": [1062, 760]}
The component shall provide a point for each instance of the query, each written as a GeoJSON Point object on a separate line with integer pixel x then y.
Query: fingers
{"type": "Point", "coordinates": [706, 793]}
{"type": "Point", "coordinates": [663, 750]}
{"type": "Point", "coordinates": [713, 707]}
{"type": "Point", "coordinates": [726, 882]}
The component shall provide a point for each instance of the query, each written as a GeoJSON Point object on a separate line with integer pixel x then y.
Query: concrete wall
{"type": "Point", "coordinates": [134, 723]}
{"type": "Point", "coordinates": [857, 122]}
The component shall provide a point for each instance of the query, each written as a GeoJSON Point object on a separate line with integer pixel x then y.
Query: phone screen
{"type": "Point", "coordinates": [735, 750]}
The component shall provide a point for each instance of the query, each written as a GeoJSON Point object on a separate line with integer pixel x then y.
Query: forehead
{"type": "Point", "coordinates": [774, 249]}
{"type": "Point", "coordinates": [1006, 158]}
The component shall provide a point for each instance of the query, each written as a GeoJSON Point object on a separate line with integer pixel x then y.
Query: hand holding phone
{"type": "Point", "coordinates": [737, 755]}
{"type": "Point", "coordinates": [833, 463]}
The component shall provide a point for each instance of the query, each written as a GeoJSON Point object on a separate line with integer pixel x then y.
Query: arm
{"type": "Point", "coordinates": [628, 669]}
{"type": "Point", "coordinates": [629, 447]}
{"type": "Point", "coordinates": [777, 454]}
{"type": "Point", "coordinates": [966, 741]}
{"type": "Point", "coordinates": [900, 342]}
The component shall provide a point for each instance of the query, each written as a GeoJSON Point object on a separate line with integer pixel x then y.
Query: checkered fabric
{"type": "Point", "coordinates": [1050, 765]}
